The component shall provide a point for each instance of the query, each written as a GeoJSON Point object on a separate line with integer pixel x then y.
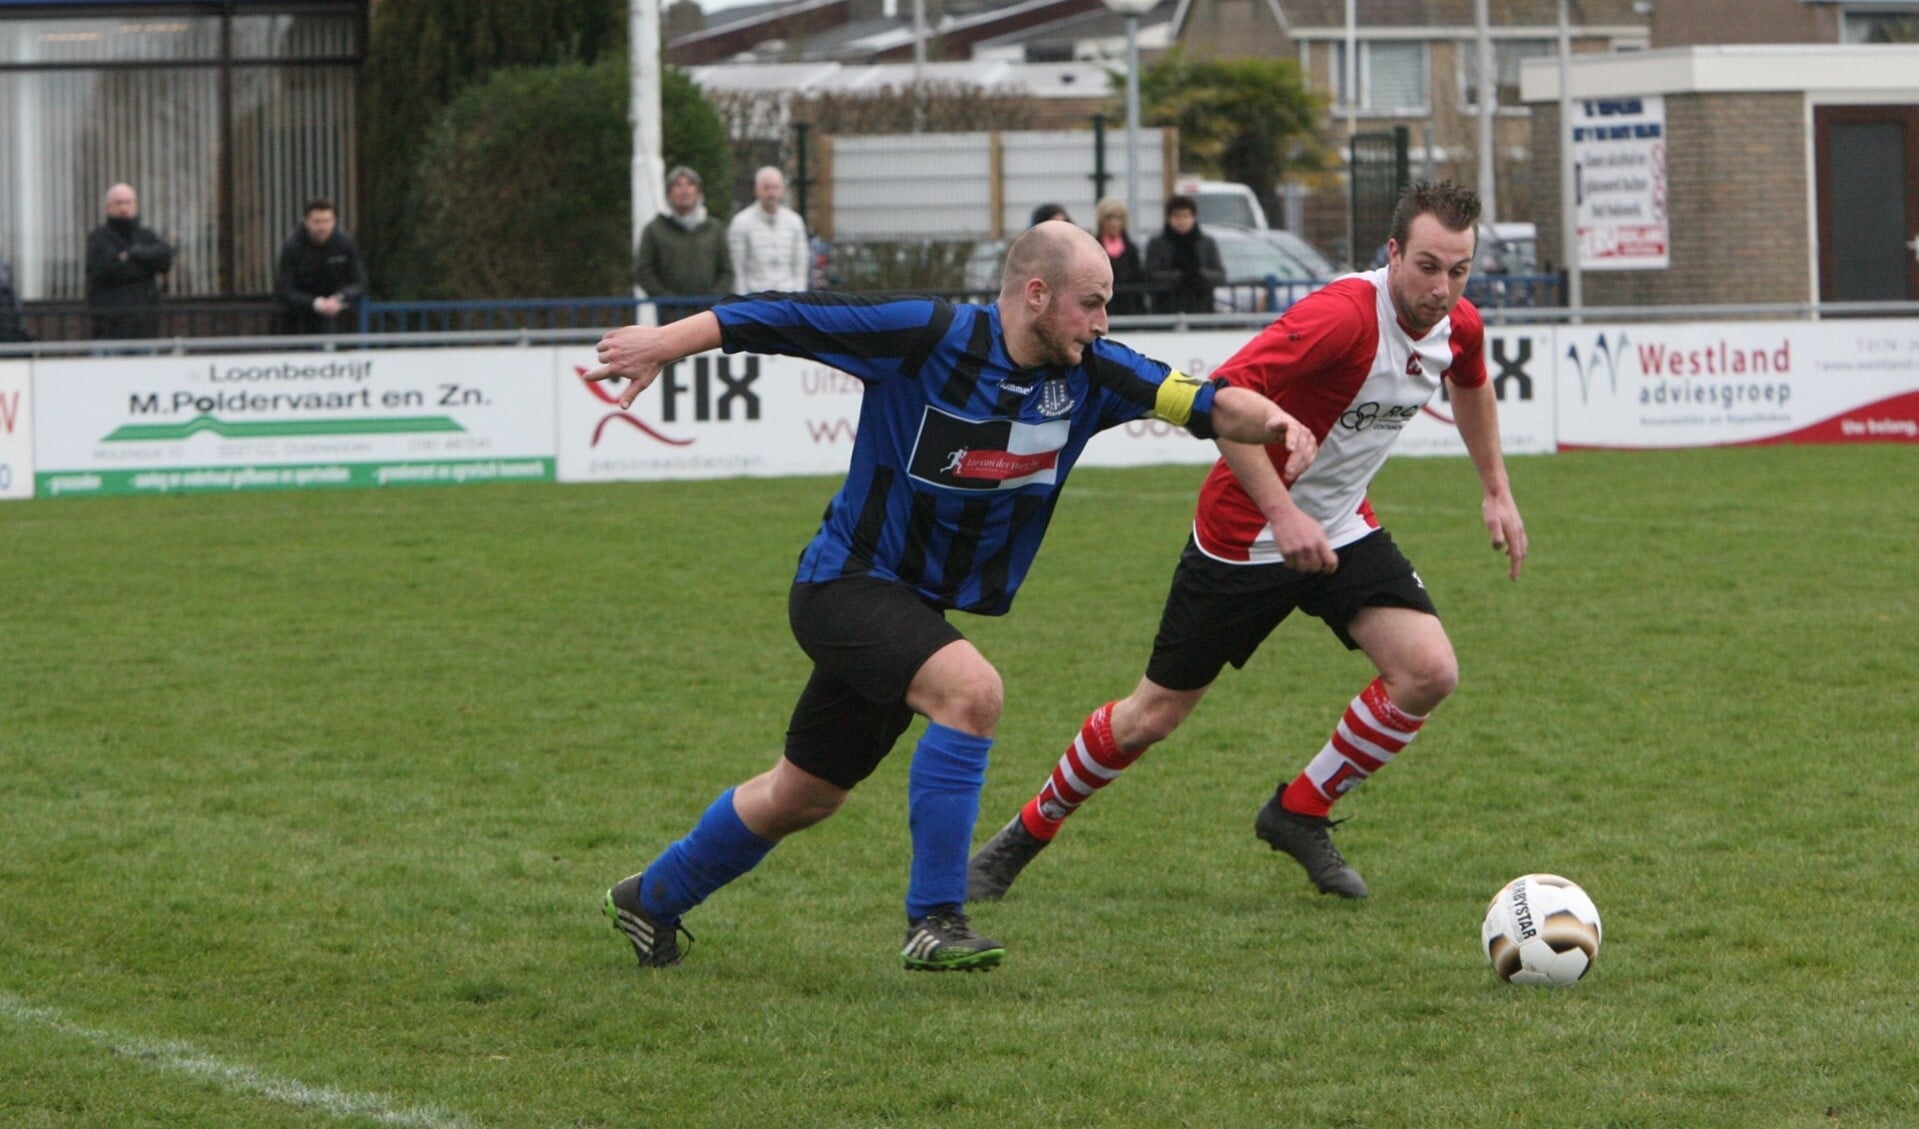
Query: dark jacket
{"type": "Point", "coordinates": [674, 260]}
{"type": "Point", "coordinates": [310, 270]}
{"type": "Point", "coordinates": [124, 265]}
{"type": "Point", "coordinates": [1129, 280]}
{"type": "Point", "coordinates": [12, 326]}
{"type": "Point", "coordinates": [1184, 269]}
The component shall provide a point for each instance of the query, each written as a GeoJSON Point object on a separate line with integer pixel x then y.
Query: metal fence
{"type": "Point", "coordinates": [243, 326]}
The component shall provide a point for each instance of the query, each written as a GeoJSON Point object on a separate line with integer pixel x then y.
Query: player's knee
{"type": "Point", "coordinates": [1430, 680]}
{"type": "Point", "coordinates": [974, 701]}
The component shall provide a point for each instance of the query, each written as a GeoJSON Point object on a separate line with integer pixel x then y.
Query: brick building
{"type": "Point", "coordinates": [1791, 172]}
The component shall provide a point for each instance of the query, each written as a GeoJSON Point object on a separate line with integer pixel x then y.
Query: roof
{"type": "Point", "coordinates": [1041, 80]}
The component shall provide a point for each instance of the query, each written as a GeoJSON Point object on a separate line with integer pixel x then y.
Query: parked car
{"type": "Point", "coordinates": [1507, 248]}
{"type": "Point", "coordinates": [1506, 269]}
{"type": "Point", "coordinates": [1262, 274]}
{"type": "Point", "coordinates": [1223, 203]}
{"type": "Point", "coordinates": [1302, 252]}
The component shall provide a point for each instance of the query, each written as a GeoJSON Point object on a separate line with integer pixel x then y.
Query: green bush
{"type": "Point", "coordinates": [421, 54]}
{"type": "Point", "coordinates": [904, 265]}
{"type": "Point", "coordinates": [525, 181]}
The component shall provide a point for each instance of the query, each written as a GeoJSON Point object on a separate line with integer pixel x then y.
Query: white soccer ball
{"type": "Point", "coordinates": [1541, 929]}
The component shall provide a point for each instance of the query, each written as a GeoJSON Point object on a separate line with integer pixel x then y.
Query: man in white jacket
{"type": "Point", "coordinates": [768, 239]}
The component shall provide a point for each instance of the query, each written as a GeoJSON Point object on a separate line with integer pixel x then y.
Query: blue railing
{"type": "Point", "coordinates": [506, 313]}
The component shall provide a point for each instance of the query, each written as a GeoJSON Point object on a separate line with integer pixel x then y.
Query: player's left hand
{"type": "Point", "coordinates": [1509, 533]}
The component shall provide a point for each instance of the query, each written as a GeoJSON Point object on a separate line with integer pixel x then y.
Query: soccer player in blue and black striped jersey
{"type": "Point", "coordinates": [971, 420]}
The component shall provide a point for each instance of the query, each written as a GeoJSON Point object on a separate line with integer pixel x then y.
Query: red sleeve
{"type": "Point", "coordinates": [1316, 356]}
{"type": "Point", "coordinates": [1468, 369]}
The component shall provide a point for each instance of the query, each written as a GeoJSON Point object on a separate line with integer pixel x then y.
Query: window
{"type": "Point", "coordinates": [1881, 27]}
{"type": "Point", "coordinates": [1392, 77]}
{"type": "Point", "coordinates": [1507, 55]}
{"type": "Point", "coordinates": [222, 167]}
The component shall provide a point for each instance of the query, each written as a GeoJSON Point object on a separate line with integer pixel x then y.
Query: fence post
{"type": "Point", "coordinates": [1100, 175]}
{"type": "Point", "coordinates": [800, 180]}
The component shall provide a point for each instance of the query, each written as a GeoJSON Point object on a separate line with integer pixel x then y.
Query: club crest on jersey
{"type": "Point", "coordinates": [1413, 367]}
{"type": "Point", "coordinates": [1055, 397]}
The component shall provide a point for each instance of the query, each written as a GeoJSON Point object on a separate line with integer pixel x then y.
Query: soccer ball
{"type": "Point", "coordinates": [1541, 929]}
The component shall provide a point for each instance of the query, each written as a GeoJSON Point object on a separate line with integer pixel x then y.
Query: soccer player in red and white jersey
{"type": "Point", "coordinates": [1354, 362]}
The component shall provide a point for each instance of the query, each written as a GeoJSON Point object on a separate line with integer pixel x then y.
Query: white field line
{"type": "Point", "coordinates": [182, 1058]}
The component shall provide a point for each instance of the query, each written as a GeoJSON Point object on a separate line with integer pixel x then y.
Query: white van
{"type": "Point", "coordinates": [1223, 203]}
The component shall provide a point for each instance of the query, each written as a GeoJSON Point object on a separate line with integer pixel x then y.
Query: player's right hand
{"type": "Point", "coordinates": [1302, 543]}
{"type": "Point", "coordinates": [630, 353]}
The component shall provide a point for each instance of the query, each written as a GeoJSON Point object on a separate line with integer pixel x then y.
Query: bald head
{"type": "Point", "coordinates": [121, 202]}
{"type": "Point", "coordinates": [1053, 294]}
{"type": "Point", "coordinates": [1047, 251]}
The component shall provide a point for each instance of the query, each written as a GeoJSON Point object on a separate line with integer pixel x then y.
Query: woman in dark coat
{"type": "Point", "coordinates": [1182, 262]}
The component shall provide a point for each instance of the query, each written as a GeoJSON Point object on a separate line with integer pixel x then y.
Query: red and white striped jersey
{"type": "Point", "coordinates": [1340, 361]}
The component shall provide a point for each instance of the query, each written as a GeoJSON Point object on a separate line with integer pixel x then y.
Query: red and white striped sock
{"type": "Point", "coordinates": [1372, 732]}
{"type": "Point", "coordinates": [1091, 762]}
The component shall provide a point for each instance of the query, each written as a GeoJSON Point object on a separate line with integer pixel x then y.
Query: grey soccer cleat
{"type": "Point", "coordinates": [655, 939]}
{"type": "Point", "coordinates": [1307, 838]}
{"type": "Point", "coordinates": [991, 870]}
{"type": "Point", "coordinates": [944, 941]}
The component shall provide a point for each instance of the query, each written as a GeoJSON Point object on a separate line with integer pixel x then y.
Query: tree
{"type": "Point", "coordinates": [421, 54]}
{"type": "Point", "coordinates": [525, 187]}
{"type": "Point", "coordinates": [1246, 120]}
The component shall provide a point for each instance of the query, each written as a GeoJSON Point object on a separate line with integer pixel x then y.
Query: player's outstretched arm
{"type": "Point", "coordinates": [637, 353]}
{"type": "Point", "coordinates": [1245, 416]}
{"type": "Point", "coordinates": [1476, 414]}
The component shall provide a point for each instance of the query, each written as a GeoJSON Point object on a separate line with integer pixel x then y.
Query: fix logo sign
{"type": "Point", "coordinates": [707, 389]}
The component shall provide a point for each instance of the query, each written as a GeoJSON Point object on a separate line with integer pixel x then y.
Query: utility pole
{"type": "Point", "coordinates": [643, 40]}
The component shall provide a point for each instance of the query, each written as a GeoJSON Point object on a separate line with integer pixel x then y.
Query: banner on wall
{"type": "Point", "coordinates": [16, 430]}
{"type": "Point", "coordinates": [1719, 384]}
{"type": "Point", "coordinates": [134, 425]}
{"type": "Point", "coordinates": [718, 415]}
{"type": "Point", "coordinates": [1619, 183]}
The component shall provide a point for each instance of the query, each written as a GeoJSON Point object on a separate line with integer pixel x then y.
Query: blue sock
{"type": "Point", "coordinates": [719, 849]}
{"type": "Point", "coordinates": [942, 797]}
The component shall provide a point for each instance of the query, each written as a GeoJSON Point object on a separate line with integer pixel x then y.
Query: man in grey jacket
{"type": "Point", "coordinates": [683, 262]}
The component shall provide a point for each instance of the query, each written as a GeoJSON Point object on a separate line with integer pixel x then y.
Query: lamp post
{"type": "Point", "coordinates": [1132, 10]}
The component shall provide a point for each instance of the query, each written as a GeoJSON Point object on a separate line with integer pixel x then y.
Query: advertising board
{"type": "Point", "coordinates": [130, 425]}
{"type": "Point", "coordinates": [1719, 384]}
{"type": "Point", "coordinates": [16, 430]}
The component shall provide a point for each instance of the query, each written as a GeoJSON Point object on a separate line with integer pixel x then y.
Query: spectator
{"type": "Point", "coordinates": [683, 252]}
{"type": "Point", "coordinates": [12, 326]}
{"type": "Point", "coordinates": [124, 265]}
{"type": "Point", "coordinates": [1129, 276]}
{"type": "Point", "coordinates": [768, 240]}
{"type": "Point", "coordinates": [1048, 212]}
{"type": "Point", "coordinates": [1183, 262]}
{"type": "Point", "coordinates": [320, 274]}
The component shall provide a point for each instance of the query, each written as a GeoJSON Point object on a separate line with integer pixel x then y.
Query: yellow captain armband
{"type": "Point", "coordinates": [1174, 404]}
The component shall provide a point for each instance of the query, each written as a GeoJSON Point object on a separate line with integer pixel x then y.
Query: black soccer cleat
{"type": "Point", "coordinates": [1308, 839]}
{"type": "Point", "coordinates": [944, 941]}
{"type": "Point", "coordinates": [655, 940]}
{"type": "Point", "coordinates": [992, 869]}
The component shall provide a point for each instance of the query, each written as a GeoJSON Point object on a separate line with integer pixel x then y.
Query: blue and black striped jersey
{"type": "Point", "coordinates": [960, 455]}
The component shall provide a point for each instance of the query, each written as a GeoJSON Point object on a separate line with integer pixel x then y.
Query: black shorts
{"type": "Point", "coordinates": [1220, 613]}
{"type": "Point", "coordinates": [867, 639]}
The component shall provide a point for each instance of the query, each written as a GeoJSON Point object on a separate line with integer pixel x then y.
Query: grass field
{"type": "Point", "coordinates": [309, 801]}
